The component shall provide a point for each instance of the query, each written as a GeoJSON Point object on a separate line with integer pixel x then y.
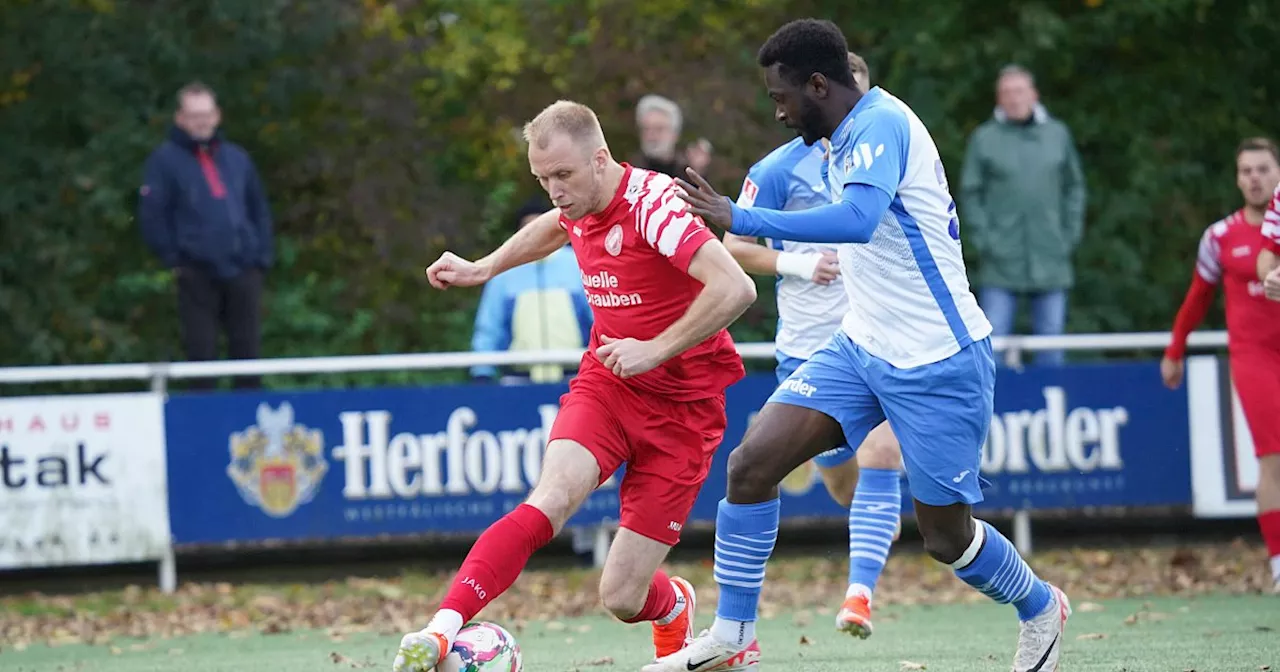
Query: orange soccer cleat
{"type": "Point", "coordinates": [673, 636]}
{"type": "Point", "coordinates": [855, 616]}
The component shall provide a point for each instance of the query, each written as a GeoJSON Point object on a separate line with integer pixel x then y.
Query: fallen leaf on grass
{"type": "Point", "coordinates": [908, 666]}
{"type": "Point", "coordinates": [805, 641]}
{"type": "Point", "coordinates": [1092, 635]}
{"type": "Point", "coordinates": [606, 660]}
{"type": "Point", "coordinates": [339, 659]}
{"type": "Point", "coordinates": [1090, 607]}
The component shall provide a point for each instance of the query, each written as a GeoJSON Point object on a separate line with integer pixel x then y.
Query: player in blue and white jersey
{"type": "Point", "coordinates": [811, 303]}
{"type": "Point", "coordinates": [914, 348]}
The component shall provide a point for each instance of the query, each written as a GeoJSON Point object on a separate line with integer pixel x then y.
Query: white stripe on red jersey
{"type": "Point", "coordinates": [1209, 257]}
{"type": "Point", "coordinates": [1271, 222]}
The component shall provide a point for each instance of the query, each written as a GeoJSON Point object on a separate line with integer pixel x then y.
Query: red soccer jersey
{"type": "Point", "coordinates": [1229, 256]}
{"type": "Point", "coordinates": [1271, 224]}
{"type": "Point", "coordinates": [634, 256]}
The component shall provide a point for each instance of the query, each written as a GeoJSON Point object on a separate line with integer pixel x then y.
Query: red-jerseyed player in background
{"type": "Point", "coordinates": [649, 391]}
{"type": "Point", "coordinates": [1229, 252]}
{"type": "Point", "coordinates": [1269, 259]}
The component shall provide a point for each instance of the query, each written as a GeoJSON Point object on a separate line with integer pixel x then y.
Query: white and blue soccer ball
{"type": "Point", "coordinates": [483, 647]}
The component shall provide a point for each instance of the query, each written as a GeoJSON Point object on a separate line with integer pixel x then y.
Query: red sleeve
{"type": "Point", "coordinates": [1190, 315]}
{"type": "Point", "coordinates": [673, 231]}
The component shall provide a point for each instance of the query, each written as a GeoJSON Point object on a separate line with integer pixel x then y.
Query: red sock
{"type": "Point", "coordinates": [496, 559]}
{"type": "Point", "coordinates": [659, 602]}
{"type": "Point", "coordinates": [1269, 521]}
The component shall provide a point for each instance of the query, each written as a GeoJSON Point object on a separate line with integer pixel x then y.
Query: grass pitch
{"type": "Point", "coordinates": [1204, 634]}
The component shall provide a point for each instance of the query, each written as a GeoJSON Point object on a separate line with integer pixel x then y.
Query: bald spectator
{"type": "Point", "coordinates": [660, 122]}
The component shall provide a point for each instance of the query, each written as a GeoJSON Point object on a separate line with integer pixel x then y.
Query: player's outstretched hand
{"type": "Point", "coordinates": [1171, 372]}
{"type": "Point", "coordinates": [627, 357]}
{"type": "Point", "coordinates": [704, 201]}
{"type": "Point", "coordinates": [1271, 287]}
{"type": "Point", "coordinates": [450, 270]}
{"type": "Point", "coordinates": [827, 270]}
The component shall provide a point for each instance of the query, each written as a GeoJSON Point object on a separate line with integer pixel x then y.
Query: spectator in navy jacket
{"type": "Point", "coordinates": [204, 213]}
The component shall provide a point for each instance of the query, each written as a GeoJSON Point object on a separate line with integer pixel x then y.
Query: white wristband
{"type": "Point", "coordinates": [798, 264]}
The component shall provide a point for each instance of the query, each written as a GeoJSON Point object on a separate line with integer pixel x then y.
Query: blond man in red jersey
{"type": "Point", "coordinates": [650, 390]}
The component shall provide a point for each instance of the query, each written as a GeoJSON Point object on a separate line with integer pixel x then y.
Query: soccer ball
{"type": "Point", "coordinates": [483, 647]}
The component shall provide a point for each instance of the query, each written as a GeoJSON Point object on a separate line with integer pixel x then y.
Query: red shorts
{"type": "Point", "coordinates": [667, 445]}
{"type": "Point", "coordinates": [1255, 372]}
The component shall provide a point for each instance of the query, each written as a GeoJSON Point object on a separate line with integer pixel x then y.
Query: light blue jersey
{"type": "Point", "coordinates": [914, 346]}
{"type": "Point", "coordinates": [909, 295]}
{"type": "Point", "coordinates": [791, 178]}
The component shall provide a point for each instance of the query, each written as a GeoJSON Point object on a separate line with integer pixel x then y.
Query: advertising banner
{"type": "Point", "coordinates": [82, 480]}
{"type": "Point", "coordinates": [1223, 465]}
{"type": "Point", "coordinates": [359, 463]}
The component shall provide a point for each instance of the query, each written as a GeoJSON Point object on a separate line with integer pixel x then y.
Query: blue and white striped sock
{"type": "Point", "coordinates": [873, 518]}
{"type": "Point", "coordinates": [745, 535]}
{"type": "Point", "coordinates": [992, 565]}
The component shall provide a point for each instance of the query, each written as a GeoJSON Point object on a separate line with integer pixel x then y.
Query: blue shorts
{"type": "Point", "coordinates": [828, 458]}
{"type": "Point", "coordinates": [939, 412]}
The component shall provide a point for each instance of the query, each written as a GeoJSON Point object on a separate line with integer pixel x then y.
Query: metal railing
{"type": "Point", "coordinates": [159, 373]}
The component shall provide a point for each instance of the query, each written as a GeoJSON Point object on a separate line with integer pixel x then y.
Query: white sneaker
{"type": "Point", "coordinates": [708, 654]}
{"type": "Point", "coordinates": [420, 652]}
{"type": "Point", "coordinates": [1040, 640]}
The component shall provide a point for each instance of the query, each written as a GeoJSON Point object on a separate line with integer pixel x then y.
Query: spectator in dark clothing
{"type": "Point", "coordinates": [204, 213]}
{"type": "Point", "coordinates": [659, 122]}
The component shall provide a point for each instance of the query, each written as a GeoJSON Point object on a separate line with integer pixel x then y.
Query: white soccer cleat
{"type": "Point", "coordinates": [707, 654]}
{"type": "Point", "coordinates": [420, 652]}
{"type": "Point", "coordinates": [1040, 640]}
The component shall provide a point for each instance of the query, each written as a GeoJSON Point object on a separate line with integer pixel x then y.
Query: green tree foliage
{"type": "Point", "coordinates": [388, 131]}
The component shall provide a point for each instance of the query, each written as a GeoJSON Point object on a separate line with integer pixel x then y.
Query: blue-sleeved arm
{"type": "Point", "coordinates": [852, 220]}
{"type": "Point", "coordinates": [493, 325]}
{"type": "Point", "coordinates": [764, 187]}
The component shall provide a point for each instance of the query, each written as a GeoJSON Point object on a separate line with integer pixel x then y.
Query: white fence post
{"type": "Point", "coordinates": [1022, 531]}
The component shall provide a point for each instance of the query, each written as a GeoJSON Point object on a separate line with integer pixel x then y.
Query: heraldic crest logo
{"type": "Point", "coordinates": [277, 465]}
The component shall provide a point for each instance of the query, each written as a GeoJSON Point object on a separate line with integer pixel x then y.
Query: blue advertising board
{"type": "Point", "coordinates": [314, 465]}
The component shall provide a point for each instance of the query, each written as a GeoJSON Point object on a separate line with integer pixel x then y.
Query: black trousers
{"type": "Point", "coordinates": [208, 305]}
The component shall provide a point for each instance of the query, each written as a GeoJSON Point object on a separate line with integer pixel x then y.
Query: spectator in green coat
{"type": "Point", "coordinates": [1022, 208]}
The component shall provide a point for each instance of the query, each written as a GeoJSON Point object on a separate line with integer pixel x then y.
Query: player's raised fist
{"type": "Point", "coordinates": [704, 201]}
{"type": "Point", "coordinates": [627, 357]}
{"type": "Point", "coordinates": [450, 270]}
{"type": "Point", "coordinates": [827, 270]}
